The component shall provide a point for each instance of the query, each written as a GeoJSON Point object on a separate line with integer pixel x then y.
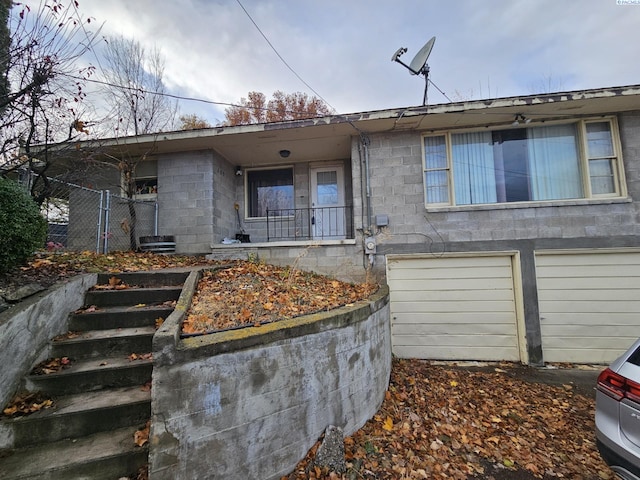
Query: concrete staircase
{"type": "Point", "coordinates": [103, 395]}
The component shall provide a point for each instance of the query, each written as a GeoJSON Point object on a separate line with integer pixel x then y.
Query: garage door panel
{"type": "Point", "coordinates": [575, 355]}
{"type": "Point", "coordinates": [589, 320]}
{"type": "Point", "coordinates": [462, 262]}
{"type": "Point", "coordinates": [453, 307]}
{"type": "Point", "coordinates": [587, 258]}
{"type": "Point", "coordinates": [453, 318]}
{"type": "Point", "coordinates": [435, 329]}
{"type": "Point", "coordinates": [456, 353]}
{"type": "Point", "coordinates": [464, 284]}
{"type": "Point", "coordinates": [452, 295]}
{"type": "Point", "coordinates": [597, 332]}
{"type": "Point", "coordinates": [578, 271]}
{"type": "Point", "coordinates": [587, 283]}
{"type": "Point", "coordinates": [585, 342]}
{"type": "Point", "coordinates": [589, 304]}
{"type": "Point", "coordinates": [459, 306]}
{"type": "Point", "coordinates": [600, 307]}
{"type": "Point", "coordinates": [451, 340]}
{"type": "Point", "coordinates": [585, 295]}
{"type": "Point", "coordinates": [450, 273]}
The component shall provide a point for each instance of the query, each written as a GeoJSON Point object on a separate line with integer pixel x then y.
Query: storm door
{"type": "Point", "coordinates": [327, 203]}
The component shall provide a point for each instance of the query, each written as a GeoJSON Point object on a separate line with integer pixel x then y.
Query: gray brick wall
{"type": "Point", "coordinates": [397, 190]}
{"type": "Point", "coordinates": [185, 199]}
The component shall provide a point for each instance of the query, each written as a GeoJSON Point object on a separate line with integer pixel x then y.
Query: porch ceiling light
{"type": "Point", "coordinates": [284, 153]}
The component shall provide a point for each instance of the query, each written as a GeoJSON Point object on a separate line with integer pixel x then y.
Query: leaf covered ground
{"type": "Point", "coordinates": [51, 267]}
{"type": "Point", "coordinates": [440, 422]}
{"type": "Point", "coordinates": [248, 293]}
{"type": "Point", "coordinates": [436, 422]}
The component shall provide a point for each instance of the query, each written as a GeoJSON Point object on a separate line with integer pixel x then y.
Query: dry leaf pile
{"type": "Point", "coordinates": [252, 294]}
{"type": "Point", "coordinates": [27, 403]}
{"type": "Point", "coordinates": [51, 267]}
{"type": "Point", "coordinates": [51, 365]}
{"type": "Point", "coordinates": [445, 423]}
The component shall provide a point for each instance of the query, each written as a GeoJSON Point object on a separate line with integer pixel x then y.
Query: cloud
{"type": "Point", "coordinates": [343, 50]}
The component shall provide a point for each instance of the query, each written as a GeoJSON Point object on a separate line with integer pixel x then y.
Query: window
{"type": "Point", "coordinates": [542, 163]}
{"type": "Point", "coordinates": [145, 180]}
{"type": "Point", "coordinates": [270, 190]}
{"type": "Point", "coordinates": [146, 186]}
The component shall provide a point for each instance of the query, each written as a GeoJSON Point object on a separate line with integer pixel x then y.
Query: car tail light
{"type": "Point", "coordinates": [617, 386]}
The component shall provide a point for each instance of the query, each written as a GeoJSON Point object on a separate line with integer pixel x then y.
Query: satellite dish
{"type": "Point", "coordinates": [420, 60]}
{"type": "Point", "coordinates": [418, 65]}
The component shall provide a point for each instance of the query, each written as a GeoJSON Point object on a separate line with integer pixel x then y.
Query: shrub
{"type": "Point", "coordinates": [22, 229]}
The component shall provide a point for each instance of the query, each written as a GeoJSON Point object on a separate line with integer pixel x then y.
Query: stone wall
{"type": "Point", "coordinates": [250, 403]}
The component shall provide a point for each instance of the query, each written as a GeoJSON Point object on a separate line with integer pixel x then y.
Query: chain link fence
{"type": "Point", "coordinates": [81, 218]}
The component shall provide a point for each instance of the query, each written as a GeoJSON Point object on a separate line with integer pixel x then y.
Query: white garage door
{"type": "Point", "coordinates": [453, 308]}
{"type": "Point", "coordinates": [589, 305]}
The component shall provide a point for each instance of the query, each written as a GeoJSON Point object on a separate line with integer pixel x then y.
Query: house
{"type": "Point", "coordinates": [506, 229]}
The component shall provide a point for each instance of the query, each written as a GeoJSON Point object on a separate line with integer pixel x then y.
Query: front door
{"type": "Point", "coordinates": [327, 202]}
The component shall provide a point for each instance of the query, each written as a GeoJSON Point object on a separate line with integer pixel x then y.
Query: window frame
{"type": "Point", "coordinates": [247, 192]}
{"type": "Point", "coordinates": [619, 182]}
{"type": "Point", "coordinates": [146, 196]}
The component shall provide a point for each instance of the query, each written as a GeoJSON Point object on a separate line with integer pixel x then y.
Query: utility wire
{"type": "Point", "coordinates": [282, 59]}
{"type": "Point", "coordinates": [164, 94]}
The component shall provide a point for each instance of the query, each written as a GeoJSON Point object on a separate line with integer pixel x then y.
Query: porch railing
{"type": "Point", "coordinates": [314, 223]}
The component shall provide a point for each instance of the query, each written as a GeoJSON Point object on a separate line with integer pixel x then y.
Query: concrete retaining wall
{"type": "Point", "coordinates": [249, 403]}
{"type": "Point", "coordinates": [25, 330]}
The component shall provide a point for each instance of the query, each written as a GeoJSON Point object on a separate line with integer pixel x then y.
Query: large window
{"type": "Point", "coordinates": [542, 163]}
{"type": "Point", "coordinates": [270, 190]}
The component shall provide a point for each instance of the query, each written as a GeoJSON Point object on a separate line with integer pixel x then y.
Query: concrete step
{"type": "Point", "coordinates": [88, 375]}
{"type": "Point", "coordinates": [146, 279]}
{"type": "Point", "coordinates": [132, 296]}
{"type": "Point", "coordinates": [109, 343]}
{"type": "Point", "coordinates": [118, 317]}
{"type": "Point", "coordinates": [79, 415]}
{"type": "Point", "coordinates": [101, 456]}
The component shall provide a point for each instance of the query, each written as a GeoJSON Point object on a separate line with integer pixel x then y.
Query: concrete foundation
{"type": "Point", "coordinates": [25, 330]}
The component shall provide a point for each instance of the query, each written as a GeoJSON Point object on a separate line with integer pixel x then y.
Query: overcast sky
{"type": "Point", "coordinates": [342, 48]}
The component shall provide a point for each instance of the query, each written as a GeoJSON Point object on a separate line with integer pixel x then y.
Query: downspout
{"type": "Point", "coordinates": [365, 146]}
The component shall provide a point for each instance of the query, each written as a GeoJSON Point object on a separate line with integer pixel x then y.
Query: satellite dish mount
{"type": "Point", "coordinates": [418, 65]}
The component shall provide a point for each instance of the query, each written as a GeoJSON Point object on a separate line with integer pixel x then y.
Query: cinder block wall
{"type": "Point", "coordinates": [240, 405]}
{"type": "Point", "coordinates": [185, 200]}
{"type": "Point", "coordinates": [397, 190]}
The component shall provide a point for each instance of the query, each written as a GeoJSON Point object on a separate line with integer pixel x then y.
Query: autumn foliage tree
{"type": "Point", "coordinates": [281, 107]}
{"type": "Point", "coordinates": [193, 122]}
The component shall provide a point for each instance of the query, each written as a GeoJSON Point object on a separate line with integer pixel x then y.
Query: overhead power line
{"type": "Point", "coordinates": [281, 58]}
{"type": "Point", "coordinates": [142, 91]}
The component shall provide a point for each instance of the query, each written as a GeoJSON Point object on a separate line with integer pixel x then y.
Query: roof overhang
{"type": "Point", "coordinates": [329, 138]}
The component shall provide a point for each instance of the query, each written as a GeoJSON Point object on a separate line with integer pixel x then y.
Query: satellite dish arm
{"type": "Point", "coordinates": [396, 58]}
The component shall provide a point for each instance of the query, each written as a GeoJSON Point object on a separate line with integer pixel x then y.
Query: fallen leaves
{"type": "Point", "coordinates": [141, 437]}
{"type": "Point", "coordinates": [439, 422]}
{"type": "Point", "coordinates": [27, 403]}
{"type": "Point", "coordinates": [114, 283]}
{"type": "Point", "coordinates": [52, 365]}
{"type": "Point", "coordinates": [48, 268]}
{"type": "Point", "coordinates": [253, 294]}
{"type": "Point", "coordinates": [140, 356]}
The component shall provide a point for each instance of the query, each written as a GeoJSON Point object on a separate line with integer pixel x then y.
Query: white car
{"type": "Point", "coordinates": [618, 414]}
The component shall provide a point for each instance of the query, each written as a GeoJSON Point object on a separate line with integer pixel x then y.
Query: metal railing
{"type": "Point", "coordinates": [314, 223]}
